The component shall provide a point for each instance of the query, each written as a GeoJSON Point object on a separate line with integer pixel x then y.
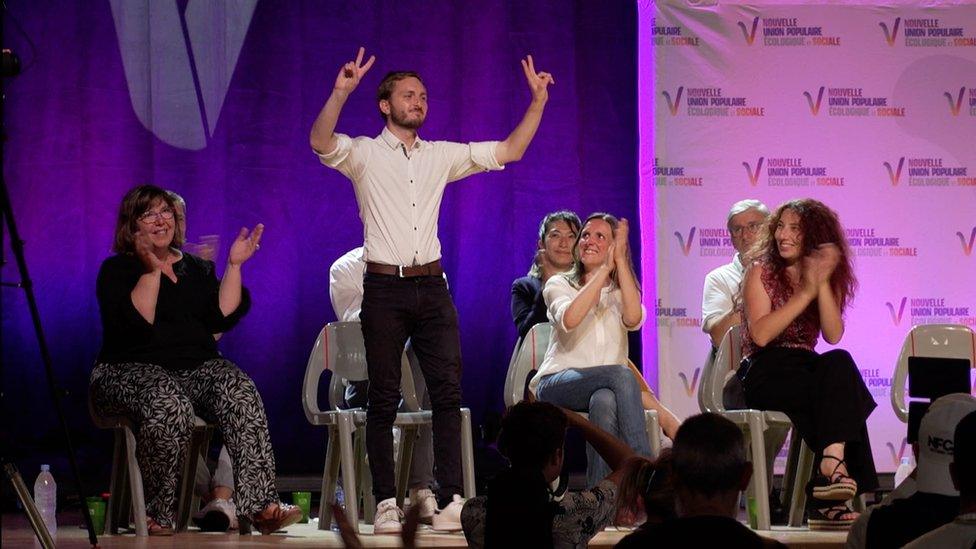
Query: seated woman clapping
{"type": "Point", "coordinates": [159, 363]}
{"type": "Point", "coordinates": [592, 307]}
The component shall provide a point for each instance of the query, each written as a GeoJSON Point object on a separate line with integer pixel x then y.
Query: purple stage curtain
{"type": "Point", "coordinates": [216, 102]}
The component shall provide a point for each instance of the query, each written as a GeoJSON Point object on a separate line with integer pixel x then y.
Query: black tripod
{"type": "Point", "coordinates": [17, 246]}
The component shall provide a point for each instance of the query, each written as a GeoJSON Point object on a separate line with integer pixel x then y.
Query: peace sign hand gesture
{"type": "Point", "coordinates": [352, 72]}
{"type": "Point", "coordinates": [538, 81]}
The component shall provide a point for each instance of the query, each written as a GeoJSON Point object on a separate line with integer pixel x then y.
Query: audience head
{"type": "Point", "coordinates": [532, 438]}
{"type": "Point", "coordinates": [646, 493]}
{"type": "Point", "coordinates": [132, 216]}
{"type": "Point", "coordinates": [818, 225]}
{"type": "Point", "coordinates": [557, 236]}
{"type": "Point", "coordinates": [402, 98]}
{"type": "Point", "coordinates": [592, 246]}
{"type": "Point", "coordinates": [963, 466]}
{"type": "Point", "coordinates": [937, 440]}
{"type": "Point", "coordinates": [744, 223]}
{"type": "Point", "coordinates": [180, 206]}
{"type": "Point", "coordinates": [709, 457]}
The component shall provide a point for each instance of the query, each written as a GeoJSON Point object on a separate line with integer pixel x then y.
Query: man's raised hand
{"type": "Point", "coordinates": [538, 81]}
{"type": "Point", "coordinates": [352, 72]}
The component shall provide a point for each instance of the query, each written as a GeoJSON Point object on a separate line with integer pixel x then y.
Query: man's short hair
{"type": "Point", "coordinates": [385, 89]}
{"type": "Point", "coordinates": [743, 206]}
{"type": "Point", "coordinates": [964, 455]}
{"type": "Point", "coordinates": [531, 433]}
{"type": "Point", "coordinates": [709, 455]}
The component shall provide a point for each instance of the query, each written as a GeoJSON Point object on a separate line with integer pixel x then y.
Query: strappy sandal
{"type": "Point", "coordinates": [830, 518]}
{"type": "Point", "coordinates": [837, 487]}
{"type": "Point", "coordinates": [156, 529]}
{"type": "Point", "coordinates": [282, 516]}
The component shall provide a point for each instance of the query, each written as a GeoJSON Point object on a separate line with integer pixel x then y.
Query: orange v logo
{"type": "Point", "coordinates": [754, 175]}
{"type": "Point", "coordinates": [693, 384]}
{"type": "Point", "coordinates": [896, 317]}
{"type": "Point", "coordinates": [890, 37]}
{"type": "Point", "coordinates": [749, 35]}
{"type": "Point", "coordinates": [955, 107]}
{"type": "Point", "coordinates": [967, 247]}
{"type": "Point", "coordinates": [685, 245]}
{"type": "Point", "coordinates": [893, 174]}
{"type": "Point", "coordinates": [814, 106]}
{"type": "Point", "coordinates": [673, 106]}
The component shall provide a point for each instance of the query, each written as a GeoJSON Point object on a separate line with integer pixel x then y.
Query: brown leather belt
{"type": "Point", "coordinates": [430, 269]}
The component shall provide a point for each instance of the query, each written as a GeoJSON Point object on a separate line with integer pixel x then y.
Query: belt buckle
{"type": "Point", "coordinates": [400, 271]}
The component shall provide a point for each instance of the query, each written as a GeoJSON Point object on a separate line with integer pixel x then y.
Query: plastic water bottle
{"type": "Point", "coordinates": [46, 498]}
{"type": "Point", "coordinates": [905, 469]}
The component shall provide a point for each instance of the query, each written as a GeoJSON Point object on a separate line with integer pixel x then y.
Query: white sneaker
{"type": "Point", "coordinates": [448, 519]}
{"type": "Point", "coordinates": [424, 497]}
{"type": "Point", "coordinates": [219, 515]}
{"type": "Point", "coordinates": [388, 517]}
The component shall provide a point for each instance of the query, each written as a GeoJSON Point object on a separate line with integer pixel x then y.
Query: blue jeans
{"type": "Point", "coordinates": [611, 396]}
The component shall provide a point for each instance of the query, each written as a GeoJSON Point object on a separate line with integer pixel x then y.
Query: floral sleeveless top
{"type": "Point", "coordinates": [802, 333]}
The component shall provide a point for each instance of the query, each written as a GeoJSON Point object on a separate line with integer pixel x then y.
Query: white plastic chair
{"type": "Point", "coordinates": [756, 425]}
{"type": "Point", "coordinates": [930, 340]}
{"type": "Point", "coordinates": [339, 348]}
{"type": "Point", "coordinates": [528, 356]}
{"type": "Point", "coordinates": [126, 488]}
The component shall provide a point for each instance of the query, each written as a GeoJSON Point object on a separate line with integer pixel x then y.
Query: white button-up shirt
{"type": "Point", "coordinates": [346, 285]}
{"type": "Point", "coordinates": [721, 287]}
{"type": "Point", "coordinates": [399, 191]}
{"type": "Point", "coordinates": [599, 340]}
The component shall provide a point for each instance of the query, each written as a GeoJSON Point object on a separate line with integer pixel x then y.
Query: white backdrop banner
{"type": "Point", "coordinates": [870, 109]}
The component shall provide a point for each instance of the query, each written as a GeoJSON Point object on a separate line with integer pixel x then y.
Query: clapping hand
{"type": "Point", "coordinates": [352, 72]}
{"type": "Point", "coordinates": [244, 245]}
{"type": "Point", "coordinates": [820, 265]}
{"type": "Point", "coordinates": [538, 81]}
{"type": "Point", "coordinates": [620, 240]}
{"type": "Point", "coordinates": [144, 251]}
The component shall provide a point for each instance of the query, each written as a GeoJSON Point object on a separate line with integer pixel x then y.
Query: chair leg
{"type": "Point", "coordinates": [348, 472]}
{"type": "Point", "coordinates": [653, 426]}
{"type": "Point", "coordinates": [403, 460]}
{"type": "Point", "coordinates": [789, 475]}
{"type": "Point", "coordinates": [467, 454]}
{"type": "Point", "coordinates": [804, 468]}
{"type": "Point", "coordinates": [184, 505]}
{"type": "Point", "coordinates": [329, 478]}
{"type": "Point", "coordinates": [758, 487]}
{"type": "Point", "coordinates": [117, 513]}
{"type": "Point", "coordinates": [135, 484]}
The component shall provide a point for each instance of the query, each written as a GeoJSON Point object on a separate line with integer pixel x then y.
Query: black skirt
{"type": "Point", "coordinates": [825, 398]}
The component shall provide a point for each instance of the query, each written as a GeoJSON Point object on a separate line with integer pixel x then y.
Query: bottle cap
{"type": "Point", "coordinates": [45, 467]}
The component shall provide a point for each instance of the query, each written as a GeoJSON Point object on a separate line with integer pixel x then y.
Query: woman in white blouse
{"type": "Point", "coordinates": [592, 307]}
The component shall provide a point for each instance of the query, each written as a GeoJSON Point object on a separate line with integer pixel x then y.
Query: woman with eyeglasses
{"type": "Point", "coordinates": [796, 290]}
{"type": "Point", "coordinates": [159, 364]}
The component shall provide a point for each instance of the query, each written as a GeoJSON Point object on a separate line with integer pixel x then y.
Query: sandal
{"type": "Point", "coordinates": [156, 529]}
{"type": "Point", "coordinates": [282, 516]}
{"type": "Point", "coordinates": [838, 487]}
{"type": "Point", "coordinates": [830, 518]}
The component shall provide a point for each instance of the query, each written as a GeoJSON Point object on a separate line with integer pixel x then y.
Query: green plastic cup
{"type": "Point", "coordinates": [96, 508]}
{"type": "Point", "coordinates": [304, 502]}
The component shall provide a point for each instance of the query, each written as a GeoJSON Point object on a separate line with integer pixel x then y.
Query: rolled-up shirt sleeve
{"type": "Point", "coordinates": [470, 158]}
{"type": "Point", "coordinates": [346, 157]}
{"type": "Point", "coordinates": [558, 294]}
{"type": "Point", "coordinates": [640, 322]}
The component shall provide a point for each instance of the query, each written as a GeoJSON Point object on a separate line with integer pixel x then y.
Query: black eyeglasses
{"type": "Point", "coordinates": [151, 217]}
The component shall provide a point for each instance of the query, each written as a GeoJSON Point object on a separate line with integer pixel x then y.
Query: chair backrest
{"type": "Point", "coordinates": [528, 357]}
{"type": "Point", "coordinates": [339, 348]}
{"type": "Point", "coordinates": [930, 340]}
{"type": "Point", "coordinates": [716, 371]}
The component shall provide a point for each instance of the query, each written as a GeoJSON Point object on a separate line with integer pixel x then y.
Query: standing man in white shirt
{"type": "Point", "coordinates": [399, 180]}
{"type": "Point", "coordinates": [722, 284]}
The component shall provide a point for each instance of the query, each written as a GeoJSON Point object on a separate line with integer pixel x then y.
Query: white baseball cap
{"type": "Point", "coordinates": [936, 441]}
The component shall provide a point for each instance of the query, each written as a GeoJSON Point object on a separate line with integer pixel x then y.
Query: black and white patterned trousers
{"type": "Point", "coordinates": [163, 402]}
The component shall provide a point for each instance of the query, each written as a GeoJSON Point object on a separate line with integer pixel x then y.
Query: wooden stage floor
{"type": "Point", "coordinates": [17, 533]}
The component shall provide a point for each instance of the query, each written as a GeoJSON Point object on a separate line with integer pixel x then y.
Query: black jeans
{"type": "Point", "coordinates": [421, 309]}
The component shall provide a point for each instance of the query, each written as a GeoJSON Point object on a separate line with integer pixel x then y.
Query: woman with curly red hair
{"type": "Point", "coordinates": [797, 288]}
